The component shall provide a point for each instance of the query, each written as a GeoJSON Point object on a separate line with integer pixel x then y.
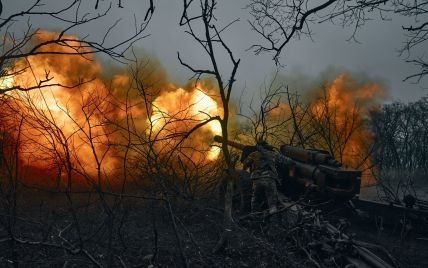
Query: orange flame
{"type": "Point", "coordinates": [341, 109]}
{"type": "Point", "coordinates": [81, 113]}
{"type": "Point", "coordinates": [178, 111]}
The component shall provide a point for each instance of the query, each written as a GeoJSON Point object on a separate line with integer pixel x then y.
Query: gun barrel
{"type": "Point", "coordinates": [296, 153]}
{"type": "Point", "coordinates": [309, 156]}
{"type": "Point", "coordinates": [234, 144]}
{"type": "Point", "coordinates": [311, 168]}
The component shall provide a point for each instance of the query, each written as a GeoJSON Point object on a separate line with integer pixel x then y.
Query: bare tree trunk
{"type": "Point", "coordinates": [210, 38]}
{"type": "Point", "coordinates": [228, 220]}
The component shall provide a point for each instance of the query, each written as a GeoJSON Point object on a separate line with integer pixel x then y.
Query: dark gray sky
{"type": "Point", "coordinates": [376, 55]}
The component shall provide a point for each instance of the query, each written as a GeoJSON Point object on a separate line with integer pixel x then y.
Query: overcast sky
{"type": "Point", "coordinates": [376, 55]}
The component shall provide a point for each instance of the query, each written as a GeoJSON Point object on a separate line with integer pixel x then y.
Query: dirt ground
{"type": "Point", "coordinates": [410, 250]}
{"type": "Point", "coordinates": [144, 233]}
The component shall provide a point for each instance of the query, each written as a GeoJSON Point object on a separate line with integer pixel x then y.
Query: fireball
{"type": "Point", "coordinates": [179, 110]}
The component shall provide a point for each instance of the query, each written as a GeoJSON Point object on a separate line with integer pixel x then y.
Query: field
{"type": "Point", "coordinates": [141, 232]}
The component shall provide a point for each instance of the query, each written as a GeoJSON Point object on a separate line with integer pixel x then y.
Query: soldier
{"type": "Point", "coordinates": [264, 176]}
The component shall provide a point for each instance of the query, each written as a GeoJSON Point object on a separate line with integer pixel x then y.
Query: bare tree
{"type": "Point", "coordinates": [10, 173]}
{"type": "Point", "coordinates": [401, 154]}
{"type": "Point", "coordinates": [210, 40]}
{"type": "Point", "coordinates": [33, 42]}
{"type": "Point", "coordinates": [334, 127]}
{"type": "Point", "coordinates": [279, 22]}
{"type": "Point", "coordinates": [271, 118]}
{"type": "Point", "coordinates": [320, 122]}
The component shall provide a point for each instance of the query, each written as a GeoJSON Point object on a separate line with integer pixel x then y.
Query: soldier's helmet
{"type": "Point", "coordinates": [265, 145]}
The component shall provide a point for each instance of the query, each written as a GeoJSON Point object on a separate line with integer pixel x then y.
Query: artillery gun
{"type": "Point", "coordinates": [310, 170]}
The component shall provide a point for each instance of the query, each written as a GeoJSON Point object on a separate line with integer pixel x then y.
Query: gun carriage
{"type": "Point", "coordinates": [311, 170]}
{"type": "Point", "coordinates": [316, 172]}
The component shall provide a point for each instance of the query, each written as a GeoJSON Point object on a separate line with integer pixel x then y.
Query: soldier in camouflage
{"type": "Point", "coordinates": [264, 176]}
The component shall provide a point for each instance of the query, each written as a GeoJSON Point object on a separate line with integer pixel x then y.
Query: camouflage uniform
{"type": "Point", "coordinates": [264, 176]}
